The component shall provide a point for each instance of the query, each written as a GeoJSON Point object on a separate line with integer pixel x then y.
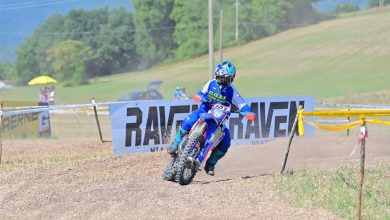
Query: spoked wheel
{"type": "Point", "coordinates": [190, 167]}
{"type": "Point", "coordinates": [186, 164]}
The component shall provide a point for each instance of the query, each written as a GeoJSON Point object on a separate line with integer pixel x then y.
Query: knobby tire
{"type": "Point", "coordinates": [195, 137]}
{"type": "Point", "coordinates": [170, 170]}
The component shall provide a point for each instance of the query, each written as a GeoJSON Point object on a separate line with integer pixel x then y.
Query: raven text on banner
{"type": "Point", "coordinates": [144, 126]}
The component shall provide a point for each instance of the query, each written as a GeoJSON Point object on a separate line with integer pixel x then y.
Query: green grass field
{"type": "Point", "coordinates": [345, 57]}
{"type": "Point", "coordinates": [336, 190]}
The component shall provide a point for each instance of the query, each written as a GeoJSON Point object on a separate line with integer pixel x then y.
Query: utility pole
{"type": "Point", "coordinates": [221, 37]}
{"type": "Point", "coordinates": [237, 19]}
{"type": "Point", "coordinates": [211, 41]}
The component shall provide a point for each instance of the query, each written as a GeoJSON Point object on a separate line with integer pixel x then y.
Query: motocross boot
{"type": "Point", "coordinates": [175, 144]}
{"type": "Point", "coordinates": [215, 156]}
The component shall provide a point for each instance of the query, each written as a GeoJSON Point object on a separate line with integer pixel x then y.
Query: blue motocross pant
{"type": "Point", "coordinates": [190, 120]}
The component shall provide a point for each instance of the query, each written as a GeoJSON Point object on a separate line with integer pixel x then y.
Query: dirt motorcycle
{"type": "Point", "coordinates": [204, 137]}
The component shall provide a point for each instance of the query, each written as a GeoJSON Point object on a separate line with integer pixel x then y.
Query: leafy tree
{"type": "Point", "coordinates": [269, 17]}
{"type": "Point", "coordinates": [27, 64]}
{"type": "Point", "coordinates": [346, 8]}
{"type": "Point", "coordinates": [301, 13]}
{"type": "Point", "coordinates": [260, 18]}
{"type": "Point", "coordinates": [117, 41]}
{"type": "Point", "coordinates": [84, 25]}
{"type": "Point", "coordinates": [67, 61]}
{"type": "Point", "coordinates": [47, 35]}
{"type": "Point", "coordinates": [191, 33]}
{"type": "Point", "coordinates": [375, 3]}
{"type": "Point", "coordinates": [115, 49]}
{"type": "Point", "coordinates": [2, 72]}
{"type": "Point", "coordinates": [257, 19]}
{"type": "Point", "coordinates": [155, 28]}
{"type": "Point", "coordinates": [109, 34]}
{"type": "Point", "coordinates": [7, 71]}
{"type": "Point", "coordinates": [32, 52]}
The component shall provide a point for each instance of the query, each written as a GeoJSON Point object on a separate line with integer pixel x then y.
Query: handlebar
{"type": "Point", "coordinates": [249, 115]}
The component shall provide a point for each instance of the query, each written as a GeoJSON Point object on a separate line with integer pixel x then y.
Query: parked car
{"type": "Point", "coordinates": [151, 93]}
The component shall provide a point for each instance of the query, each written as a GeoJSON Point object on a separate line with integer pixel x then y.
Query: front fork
{"type": "Point", "coordinates": [213, 139]}
{"type": "Point", "coordinates": [211, 143]}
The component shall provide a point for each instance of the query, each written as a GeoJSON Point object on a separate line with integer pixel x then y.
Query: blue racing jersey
{"type": "Point", "coordinates": [213, 93]}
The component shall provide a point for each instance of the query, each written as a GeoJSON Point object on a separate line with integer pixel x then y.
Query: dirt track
{"type": "Point", "coordinates": [131, 187]}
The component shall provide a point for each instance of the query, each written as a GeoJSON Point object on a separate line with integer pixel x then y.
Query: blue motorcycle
{"type": "Point", "coordinates": [203, 138]}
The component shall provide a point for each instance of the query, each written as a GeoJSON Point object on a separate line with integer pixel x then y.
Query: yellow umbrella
{"type": "Point", "coordinates": [40, 80]}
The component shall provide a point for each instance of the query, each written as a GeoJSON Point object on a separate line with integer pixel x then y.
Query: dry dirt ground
{"type": "Point", "coordinates": [67, 184]}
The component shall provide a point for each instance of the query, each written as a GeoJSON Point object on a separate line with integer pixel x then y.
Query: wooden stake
{"type": "Point", "coordinates": [361, 172]}
{"type": "Point", "coordinates": [97, 121]}
{"type": "Point", "coordinates": [294, 127]}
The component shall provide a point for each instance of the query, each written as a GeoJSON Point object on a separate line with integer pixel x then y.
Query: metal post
{"type": "Point", "coordinates": [294, 127]}
{"type": "Point", "coordinates": [211, 40]}
{"type": "Point", "coordinates": [97, 120]}
{"type": "Point", "coordinates": [221, 37]}
{"type": "Point", "coordinates": [361, 172]}
{"type": "Point", "coordinates": [237, 19]}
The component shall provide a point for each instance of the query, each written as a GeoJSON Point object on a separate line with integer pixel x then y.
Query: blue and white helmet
{"type": "Point", "coordinates": [225, 73]}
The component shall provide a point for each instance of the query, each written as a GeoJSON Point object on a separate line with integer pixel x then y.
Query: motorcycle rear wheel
{"type": "Point", "coordinates": [170, 170]}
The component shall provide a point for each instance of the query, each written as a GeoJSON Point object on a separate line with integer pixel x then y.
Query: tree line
{"type": "Point", "coordinates": [85, 44]}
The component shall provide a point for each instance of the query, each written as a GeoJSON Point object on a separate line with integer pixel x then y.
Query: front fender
{"type": "Point", "coordinates": [199, 126]}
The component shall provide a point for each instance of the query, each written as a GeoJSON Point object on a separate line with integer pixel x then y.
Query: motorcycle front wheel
{"type": "Point", "coordinates": [186, 166]}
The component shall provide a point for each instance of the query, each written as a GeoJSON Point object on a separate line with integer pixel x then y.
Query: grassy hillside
{"type": "Point", "coordinates": [341, 57]}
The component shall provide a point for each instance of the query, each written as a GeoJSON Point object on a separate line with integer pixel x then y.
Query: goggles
{"type": "Point", "coordinates": [223, 80]}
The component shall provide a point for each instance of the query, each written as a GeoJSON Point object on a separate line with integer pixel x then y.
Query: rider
{"type": "Point", "coordinates": [218, 90]}
{"type": "Point", "coordinates": [179, 93]}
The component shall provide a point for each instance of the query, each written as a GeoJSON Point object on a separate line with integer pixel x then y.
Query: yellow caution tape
{"type": "Point", "coordinates": [350, 113]}
{"type": "Point", "coordinates": [301, 127]}
{"type": "Point", "coordinates": [334, 127]}
{"type": "Point", "coordinates": [377, 121]}
{"type": "Point", "coordinates": [342, 113]}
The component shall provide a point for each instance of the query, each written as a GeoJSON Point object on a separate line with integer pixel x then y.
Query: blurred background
{"type": "Point", "coordinates": [282, 47]}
